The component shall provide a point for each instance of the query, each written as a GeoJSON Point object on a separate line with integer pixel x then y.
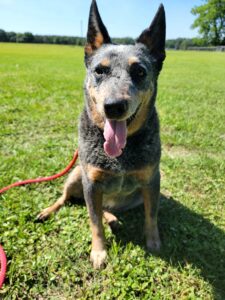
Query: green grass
{"type": "Point", "coordinates": [40, 99]}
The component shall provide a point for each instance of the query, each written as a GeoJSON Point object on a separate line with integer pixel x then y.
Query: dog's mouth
{"type": "Point", "coordinates": [115, 134]}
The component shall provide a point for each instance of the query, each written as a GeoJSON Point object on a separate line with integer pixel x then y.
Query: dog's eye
{"type": "Point", "coordinates": [137, 72]}
{"type": "Point", "coordinates": [101, 70]}
{"type": "Point", "coordinates": [141, 72]}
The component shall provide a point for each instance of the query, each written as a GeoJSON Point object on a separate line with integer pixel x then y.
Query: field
{"type": "Point", "coordinates": [41, 97]}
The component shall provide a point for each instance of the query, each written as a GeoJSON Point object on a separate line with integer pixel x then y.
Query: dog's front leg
{"type": "Point", "coordinates": [93, 198]}
{"type": "Point", "coordinates": [150, 195]}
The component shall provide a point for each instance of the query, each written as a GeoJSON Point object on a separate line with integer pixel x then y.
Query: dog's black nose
{"type": "Point", "coordinates": [115, 108]}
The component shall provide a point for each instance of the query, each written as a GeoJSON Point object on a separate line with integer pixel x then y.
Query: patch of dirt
{"type": "Point", "coordinates": [182, 152]}
{"type": "Point", "coordinates": [177, 151]}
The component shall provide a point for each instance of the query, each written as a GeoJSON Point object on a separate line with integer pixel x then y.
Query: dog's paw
{"type": "Point", "coordinates": [44, 214]}
{"type": "Point", "coordinates": [153, 244]}
{"type": "Point", "coordinates": [98, 258]}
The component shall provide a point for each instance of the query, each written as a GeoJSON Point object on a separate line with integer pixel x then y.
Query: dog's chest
{"type": "Point", "coordinates": [120, 189]}
{"type": "Point", "coordinates": [122, 184]}
{"type": "Point", "coordinates": [123, 191]}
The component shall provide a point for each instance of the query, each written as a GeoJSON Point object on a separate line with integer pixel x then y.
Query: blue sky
{"type": "Point", "coordinates": [122, 17]}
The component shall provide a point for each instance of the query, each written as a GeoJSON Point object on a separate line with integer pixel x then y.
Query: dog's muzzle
{"type": "Point", "coordinates": [115, 109]}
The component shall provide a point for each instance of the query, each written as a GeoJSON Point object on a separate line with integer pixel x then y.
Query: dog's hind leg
{"type": "Point", "coordinates": [72, 188]}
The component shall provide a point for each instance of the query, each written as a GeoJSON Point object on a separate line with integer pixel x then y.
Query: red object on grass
{"type": "Point", "coordinates": [3, 263]}
{"type": "Point", "coordinates": [41, 179]}
{"type": "Point", "coordinates": [3, 260]}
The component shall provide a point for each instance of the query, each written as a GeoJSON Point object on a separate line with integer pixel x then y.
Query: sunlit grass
{"type": "Point", "coordinates": [41, 97]}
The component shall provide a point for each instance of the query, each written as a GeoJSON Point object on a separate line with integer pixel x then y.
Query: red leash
{"type": "Point", "coordinates": [3, 263]}
{"type": "Point", "coordinates": [37, 180]}
{"type": "Point", "coordinates": [3, 260]}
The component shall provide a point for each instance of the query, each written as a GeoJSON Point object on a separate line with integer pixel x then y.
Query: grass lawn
{"type": "Point", "coordinates": [41, 97]}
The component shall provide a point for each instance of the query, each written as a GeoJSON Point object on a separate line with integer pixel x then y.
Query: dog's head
{"type": "Point", "coordinates": [121, 79]}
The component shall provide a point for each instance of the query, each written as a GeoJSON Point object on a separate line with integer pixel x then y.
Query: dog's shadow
{"type": "Point", "coordinates": [187, 238]}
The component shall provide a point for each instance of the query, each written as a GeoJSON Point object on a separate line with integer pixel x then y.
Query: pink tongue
{"type": "Point", "coordinates": [115, 134]}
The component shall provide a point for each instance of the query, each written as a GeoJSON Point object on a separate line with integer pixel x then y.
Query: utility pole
{"type": "Point", "coordinates": [81, 28]}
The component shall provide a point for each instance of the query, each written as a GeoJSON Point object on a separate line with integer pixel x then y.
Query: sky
{"type": "Point", "coordinates": [121, 17]}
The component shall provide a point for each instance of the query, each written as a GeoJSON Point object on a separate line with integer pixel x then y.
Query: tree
{"type": "Point", "coordinates": [28, 37]}
{"type": "Point", "coordinates": [211, 21]}
{"type": "Point", "coordinates": [20, 38]}
{"type": "Point", "coordinates": [11, 36]}
{"type": "Point", "coordinates": [3, 36]}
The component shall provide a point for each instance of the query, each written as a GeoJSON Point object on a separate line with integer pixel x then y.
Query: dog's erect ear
{"type": "Point", "coordinates": [97, 34]}
{"type": "Point", "coordinates": [154, 37]}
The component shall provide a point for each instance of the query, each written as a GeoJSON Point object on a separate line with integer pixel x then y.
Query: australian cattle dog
{"type": "Point", "coordinates": [119, 138]}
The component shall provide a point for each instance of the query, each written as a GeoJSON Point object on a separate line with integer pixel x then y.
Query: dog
{"type": "Point", "coordinates": [119, 135]}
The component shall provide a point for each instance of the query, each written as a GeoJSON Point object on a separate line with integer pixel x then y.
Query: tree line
{"type": "Point", "coordinates": [184, 43]}
{"type": "Point", "coordinates": [28, 37]}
